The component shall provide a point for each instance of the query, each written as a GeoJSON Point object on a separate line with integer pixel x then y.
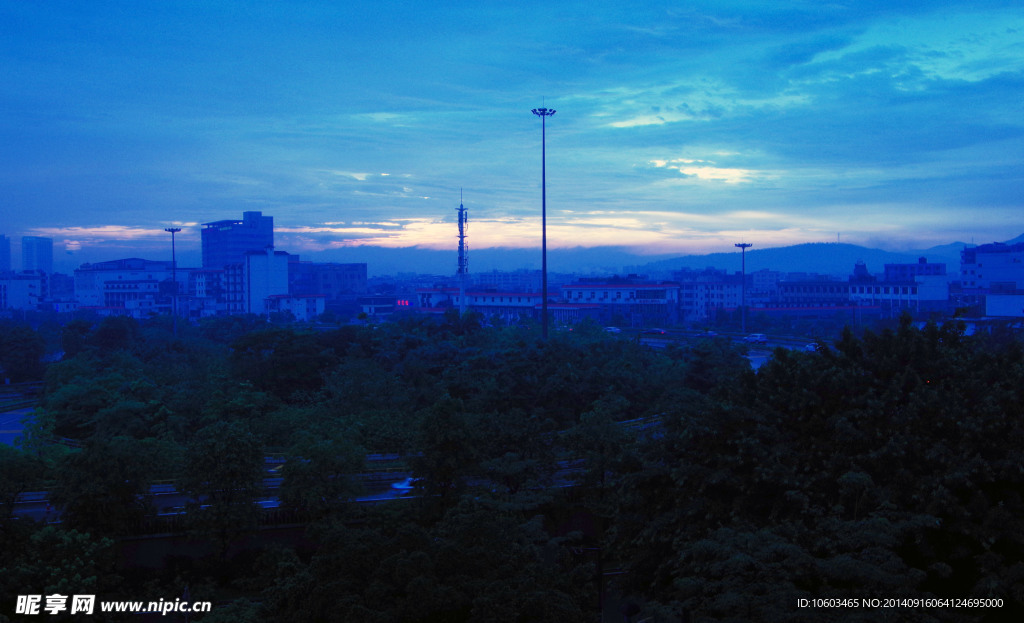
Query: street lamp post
{"type": "Point", "coordinates": [743, 246]}
{"type": "Point", "coordinates": [544, 113]}
{"type": "Point", "coordinates": [174, 279]}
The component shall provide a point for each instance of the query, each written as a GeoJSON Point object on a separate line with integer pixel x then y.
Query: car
{"type": "Point", "coordinates": [405, 485]}
{"type": "Point", "coordinates": [612, 330]}
{"type": "Point", "coordinates": [756, 338]}
{"type": "Point", "coordinates": [812, 347]}
{"type": "Point", "coordinates": [655, 332]}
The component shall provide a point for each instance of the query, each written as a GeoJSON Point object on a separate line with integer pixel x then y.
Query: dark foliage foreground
{"type": "Point", "coordinates": [885, 466]}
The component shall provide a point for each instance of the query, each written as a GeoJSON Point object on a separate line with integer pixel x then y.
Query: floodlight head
{"type": "Point", "coordinates": [172, 230]}
{"type": "Point", "coordinates": [543, 112]}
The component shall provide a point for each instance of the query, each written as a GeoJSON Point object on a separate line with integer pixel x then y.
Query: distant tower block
{"type": "Point", "coordinates": [463, 271]}
{"type": "Point", "coordinates": [37, 254]}
{"type": "Point", "coordinates": [743, 246]}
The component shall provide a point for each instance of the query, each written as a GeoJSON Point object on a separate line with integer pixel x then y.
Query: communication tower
{"type": "Point", "coordinates": [463, 271]}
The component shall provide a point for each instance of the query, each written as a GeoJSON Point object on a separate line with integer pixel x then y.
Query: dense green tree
{"type": "Point", "coordinates": [104, 488]}
{"type": "Point", "coordinates": [223, 473]}
{"type": "Point", "coordinates": [475, 564]}
{"type": "Point", "coordinates": [448, 451]}
{"type": "Point", "coordinates": [83, 391]}
{"type": "Point", "coordinates": [715, 366]}
{"type": "Point", "coordinates": [863, 471]}
{"type": "Point", "coordinates": [115, 333]}
{"type": "Point", "coordinates": [74, 337]}
{"type": "Point", "coordinates": [369, 399]}
{"type": "Point", "coordinates": [601, 451]}
{"type": "Point", "coordinates": [21, 353]}
{"type": "Point", "coordinates": [319, 473]}
{"type": "Point", "coordinates": [869, 468]}
{"type": "Point", "coordinates": [20, 471]}
{"type": "Point", "coordinates": [281, 361]}
{"type": "Point", "coordinates": [54, 560]}
{"type": "Point", "coordinates": [227, 329]}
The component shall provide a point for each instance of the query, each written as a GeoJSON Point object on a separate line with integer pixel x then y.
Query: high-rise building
{"type": "Point", "coordinates": [249, 284]}
{"type": "Point", "coordinates": [227, 242]}
{"type": "Point", "coordinates": [5, 254]}
{"type": "Point", "coordinates": [37, 254]}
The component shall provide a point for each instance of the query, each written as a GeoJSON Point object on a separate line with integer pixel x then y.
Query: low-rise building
{"type": "Point", "coordinates": [302, 307]}
{"type": "Point", "coordinates": [21, 291]}
{"type": "Point", "coordinates": [133, 286]}
{"type": "Point", "coordinates": [703, 294]}
{"type": "Point", "coordinates": [627, 301]}
{"type": "Point", "coordinates": [508, 307]}
{"type": "Point", "coordinates": [339, 284]}
{"type": "Point", "coordinates": [1004, 305]}
{"type": "Point", "coordinates": [995, 268]}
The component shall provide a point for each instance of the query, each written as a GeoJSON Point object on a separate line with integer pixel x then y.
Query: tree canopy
{"type": "Point", "coordinates": [886, 464]}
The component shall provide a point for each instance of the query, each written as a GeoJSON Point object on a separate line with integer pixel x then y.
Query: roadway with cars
{"type": "Point", "coordinates": [761, 345]}
{"type": "Point", "coordinates": [12, 425]}
{"type": "Point", "coordinates": [169, 502]}
{"type": "Point", "coordinates": [17, 401]}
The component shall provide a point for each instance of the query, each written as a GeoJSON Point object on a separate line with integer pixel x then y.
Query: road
{"type": "Point", "coordinates": [169, 502]}
{"type": "Point", "coordinates": [11, 426]}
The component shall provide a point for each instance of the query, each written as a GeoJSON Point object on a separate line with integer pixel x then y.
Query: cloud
{"type": "Point", "coordinates": [362, 177]}
{"type": "Point", "coordinates": [703, 120]}
{"type": "Point", "coordinates": [384, 117]}
{"type": "Point", "coordinates": [708, 171]}
{"type": "Point", "coordinates": [102, 233]}
{"type": "Point", "coordinates": [652, 119]}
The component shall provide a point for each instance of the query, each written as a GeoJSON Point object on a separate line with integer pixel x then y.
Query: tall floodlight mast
{"type": "Point", "coordinates": [544, 113]}
{"type": "Point", "coordinates": [463, 258]}
{"type": "Point", "coordinates": [743, 246]}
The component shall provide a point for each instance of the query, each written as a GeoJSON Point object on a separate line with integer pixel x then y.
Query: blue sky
{"type": "Point", "coordinates": [682, 127]}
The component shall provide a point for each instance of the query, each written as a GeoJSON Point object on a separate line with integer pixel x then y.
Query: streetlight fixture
{"type": "Point", "coordinates": [174, 279]}
{"type": "Point", "coordinates": [544, 113]}
{"type": "Point", "coordinates": [743, 246]}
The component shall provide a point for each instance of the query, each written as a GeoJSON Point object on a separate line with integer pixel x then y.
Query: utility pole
{"type": "Point", "coordinates": [174, 279]}
{"type": "Point", "coordinates": [743, 246]}
{"type": "Point", "coordinates": [544, 113]}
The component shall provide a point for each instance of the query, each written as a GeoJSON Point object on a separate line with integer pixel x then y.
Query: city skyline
{"type": "Point", "coordinates": [680, 129]}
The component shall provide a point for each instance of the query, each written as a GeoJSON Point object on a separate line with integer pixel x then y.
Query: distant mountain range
{"type": "Point", "coordinates": [820, 257]}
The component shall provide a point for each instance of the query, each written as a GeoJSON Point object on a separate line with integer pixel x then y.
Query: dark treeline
{"type": "Point", "coordinates": [889, 464]}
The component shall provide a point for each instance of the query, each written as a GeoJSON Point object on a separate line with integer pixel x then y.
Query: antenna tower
{"type": "Point", "coordinates": [463, 271]}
